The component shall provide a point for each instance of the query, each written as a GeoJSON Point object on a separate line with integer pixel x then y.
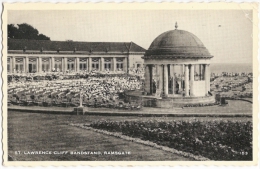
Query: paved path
{"type": "Point", "coordinates": [234, 108]}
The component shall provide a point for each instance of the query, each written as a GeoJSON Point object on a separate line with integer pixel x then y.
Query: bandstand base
{"type": "Point", "coordinates": [167, 102]}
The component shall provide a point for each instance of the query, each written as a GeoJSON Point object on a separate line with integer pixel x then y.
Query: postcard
{"type": "Point", "coordinates": [100, 84]}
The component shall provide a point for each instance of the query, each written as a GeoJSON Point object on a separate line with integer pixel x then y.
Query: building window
{"type": "Point", "coordinates": [138, 65]}
{"type": "Point", "coordinates": [83, 63]}
{"type": "Point", "coordinates": [8, 65]}
{"type": "Point", "coordinates": [45, 64]}
{"type": "Point", "coordinates": [32, 66]}
{"type": "Point", "coordinates": [19, 64]}
{"type": "Point", "coordinates": [107, 64]}
{"type": "Point", "coordinates": [119, 64]}
{"type": "Point", "coordinates": [82, 66]}
{"type": "Point", "coordinates": [95, 64]}
{"type": "Point", "coordinates": [70, 64]}
{"type": "Point", "coordinates": [58, 64]}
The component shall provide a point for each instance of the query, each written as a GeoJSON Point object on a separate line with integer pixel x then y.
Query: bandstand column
{"type": "Point", "coordinates": [165, 80]}
{"type": "Point", "coordinates": [151, 78]}
{"type": "Point", "coordinates": [40, 64]}
{"type": "Point", "coordinates": [206, 69]}
{"type": "Point", "coordinates": [186, 80]}
{"type": "Point", "coordinates": [208, 77]}
{"type": "Point", "coordinates": [161, 79]}
{"type": "Point", "coordinates": [147, 79]}
{"type": "Point", "coordinates": [203, 67]}
{"type": "Point", "coordinates": [89, 64]}
{"type": "Point", "coordinates": [173, 78]}
{"type": "Point", "coordinates": [192, 80]}
{"type": "Point", "coordinates": [200, 73]}
{"type": "Point", "coordinates": [157, 80]}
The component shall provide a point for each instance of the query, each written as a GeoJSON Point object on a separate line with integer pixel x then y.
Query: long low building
{"type": "Point", "coordinates": [30, 56]}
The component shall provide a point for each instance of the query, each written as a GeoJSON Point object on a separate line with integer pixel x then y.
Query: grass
{"type": "Point", "coordinates": [41, 132]}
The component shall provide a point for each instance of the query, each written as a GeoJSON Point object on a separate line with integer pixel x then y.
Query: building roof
{"type": "Point", "coordinates": [46, 46]}
{"type": "Point", "coordinates": [177, 44]}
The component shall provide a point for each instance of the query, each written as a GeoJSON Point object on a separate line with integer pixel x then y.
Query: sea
{"type": "Point", "coordinates": [231, 67]}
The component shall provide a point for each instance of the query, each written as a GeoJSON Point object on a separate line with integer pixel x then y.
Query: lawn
{"type": "Point", "coordinates": [49, 132]}
{"type": "Point", "coordinates": [42, 132]}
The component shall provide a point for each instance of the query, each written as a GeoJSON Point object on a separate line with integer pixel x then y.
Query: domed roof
{"type": "Point", "coordinates": [177, 44]}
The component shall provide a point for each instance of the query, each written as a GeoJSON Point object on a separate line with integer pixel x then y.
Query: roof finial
{"type": "Point", "coordinates": [176, 25]}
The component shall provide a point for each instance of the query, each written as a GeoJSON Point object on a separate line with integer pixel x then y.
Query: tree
{"type": "Point", "coordinates": [12, 31]}
{"type": "Point", "coordinates": [25, 31]}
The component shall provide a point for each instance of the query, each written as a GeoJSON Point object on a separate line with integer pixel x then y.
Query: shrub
{"type": "Point", "coordinates": [216, 140]}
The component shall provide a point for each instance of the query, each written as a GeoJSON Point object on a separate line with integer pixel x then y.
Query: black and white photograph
{"type": "Point", "coordinates": [104, 84]}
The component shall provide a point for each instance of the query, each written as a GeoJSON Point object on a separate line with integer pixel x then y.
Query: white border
{"type": "Point", "coordinates": [11, 1]}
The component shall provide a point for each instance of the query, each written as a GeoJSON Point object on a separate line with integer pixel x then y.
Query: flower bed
{"type": "Point", "coordinates": [216, 140]}
{"type": "Point", "coordinates": [140, 141]}
{"type": "Point", "coordinates": [201, 104]}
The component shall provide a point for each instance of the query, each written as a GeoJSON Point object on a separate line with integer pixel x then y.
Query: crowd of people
{"type": "Point", "coordinates": [23, 77]}
{"type": "Point", "coordinates": [95, 91]}
{"type": "Point", "coordinates": [232, 87]}
{"type": "Point", "coordinates": [232, 74]}
{"type": "Point", "coordinates": [137, 71]}
{"type": "Point", "coordinates": [70, 74]}
{"type": "Point", "coordinates": [103, 89]}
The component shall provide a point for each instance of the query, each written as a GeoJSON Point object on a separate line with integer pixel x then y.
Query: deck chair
{"type": "Point", "coordinates": [47, 102]}
{"type": "Point", "coordinates": [34, 101]}
{"type": "Point", "coordinates": [28, 101]}
{"type": "Point", "coordinates": [74, 102]}
{"type": "Point", "coordinates": [127, 106]}
{"type": "Point", "coordinates": [65, 102]}
{"type": "Point", "coordinates": [58, 102]}
{"type": "Point", "coordinates": [84, 101]}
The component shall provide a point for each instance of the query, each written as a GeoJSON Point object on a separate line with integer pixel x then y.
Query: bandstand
{"type": "Point", "coordinates": [177, 71]}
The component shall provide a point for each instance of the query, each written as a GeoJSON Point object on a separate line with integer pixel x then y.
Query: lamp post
{"type": "Point", "coordinates": [80, 99]}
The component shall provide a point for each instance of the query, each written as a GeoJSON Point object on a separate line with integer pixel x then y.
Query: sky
{"type": "Point", "coordinates": [227, 34]}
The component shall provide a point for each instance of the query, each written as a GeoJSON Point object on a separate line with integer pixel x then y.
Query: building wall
{"type": "Point", "coordinates": [134, 60]}
{"type": "Point", "coordinates": [74, 61]}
